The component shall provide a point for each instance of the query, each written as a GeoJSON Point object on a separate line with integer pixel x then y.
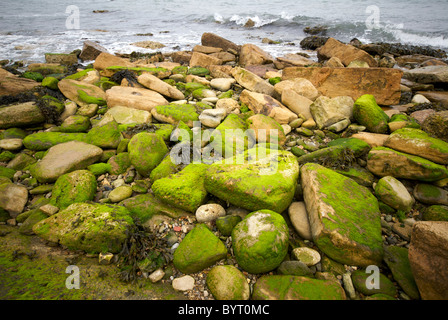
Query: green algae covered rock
{"type": "Point", "coordinates": [93, 228]}
{"type": "Point", "coordinates": [258, 179]}
{"type": "Point", "coordinates": [358, 146]}
{"type": "Point", "coordinates": [360, 282]}
{"type": "Point", "coordinates": [393, 193]}
{"type": "Point", "coordinates": [226, 224]}
{"type": "Point", "coordinates": [164, 169]}
{"type": "Point", "coordinates": [27, 226]}
{"type": "Point", "coordinates": [119, 163]}
{"type": "Point", "coordinates": [99, 168]}
{"type": "Point", "coordinates": [75, 123]}
{"type": "Point", "coordinates": [73, 187]}
{"type": "Point", "coordinates": [260, 241]}
{"type": "Point", "coordinates": [344, 216]}
{"type": "Point", "coordinates": [285, 287]}
{"type": "Point", "coordinates": [436, 213]}
{"type": "Point", "coordinates": [50, 82]}
{"type": "Point", "coordinates": [198, 250]}
{"type": "Point", "coordinates": [146, 151]}
{"type": "Point", "coordinates": [367, 113]}
{"type": "Point", "coordinates": [41, 141]}
{"type": "Point", "coordinates": [107, 136]}
{"type": "Point", "coordinates": [228, 283]}
{"type": "Point", "coordinates": [184, 190]}
{"type": "Point", "coordinates": [173, 113]}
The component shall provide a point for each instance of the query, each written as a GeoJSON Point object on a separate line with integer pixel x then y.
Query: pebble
{"type": "Point", "coordinates": [156, 275]}
{"type": "Point", "coordinates": [210, 212]}
{"type": "Point", "coordinates": [308, 256]}
{"type": "Point", "coordinates": [184, 283]}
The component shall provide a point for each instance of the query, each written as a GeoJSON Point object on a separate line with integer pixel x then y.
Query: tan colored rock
{"type": "Point", "coordinates": [11, 84]}
{"type": "Point", "coordinates": [265, 104]}
{"type": "Point", "coordinates": [213, 40]}
{"type": "Point", "coordinates": [252, 82]}
{"type": "Point", "coordinates": [137, 98]}
{"type": "Point", "coordinates": [333, 62]}
{"type": "Point", "coordinates": [65, 59]}
{"type": "Point", "coordinates": [154, 83]}
{"type": "Point", "coordinates": [299, 219]}
{"type": "Point", "coordinates": [440, 97]}
{"type": "Point", "coordinates": [373, 139]}
{"type": "Point", "coordinates": [429, 74]}
{"type": "Point", "coordinates": [91, 50]}
{"type": "Point", "coordinates": [345, 52]}
{"type": "Point", "coordinates": [206, 49]}
{"type": "Point", "coordinates": [224, 56]}
{"type": "Point", "coordinates": [250, 54]}
{"type": "Point", "coordinates": [266, 130]}
{"type": "Point", "coordinates": [20, 115]}
{"type": "Point", "coordinates": [293, 60]}
{"type": "Point", "coordinates": [297, 103]}
{"type": "Point", "coordinates": [221, 71]}
{"type": "Point", "coordinates": [182, 57]}
{"type": "Point", "coordinates": [428, 256]}
{"type": "Point", "coordinates": [229, 104]}
{"type": "Point", "coordinates": [301, 86]}
{"type": "Point", "coordinates": [383, 84]}
{"type": "Point", "coordinates": [105, 60]}
{"type": "Point", "coordinates": [149, 44]}
{"type": "Point", "coordinates": [13, 198]}
{"type": "Point", "coordinates": [203, 60]}
{"type": "Point", "coordinates": [70, 89]}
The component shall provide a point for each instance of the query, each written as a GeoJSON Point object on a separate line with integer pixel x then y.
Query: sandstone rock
{"type": "Point", "coordinates": [252, 82]}
{"type": "Point", "coordinates": [125, 115]}
{"type": "Point", "coordinates": [429, 74]}
{"type": "Point", "coordinates": [61, 58]}
{"type": "Point", "coordinates": [299, 219]}
{"type": "Point", "coordinates": [298, 104]}
{"type": "Point", "coordinates": [293, 60]}
{"type": "Point", "coordinates": [326, 111]}
{"type": "Point", "coordinates": [206, 49]}
{"type": "Point", "coordinates": [367, 113]}
{"type": "Point", "coordinates": [393, 193]}
{"type": "Point", "coordinates": [212, 117]}
{"type": "Point", "coordinates": [209, 212]}
{"type": "Point", "coordinates": [146, 151]}
{"type": "Point", "coordinates": [333, 62]}
{"type": "Point", "coordinates": [184, 283]}
{"type": "Point", "coordinates": [105, 60]}
{"type": "Point", "coordinates": [228, 283]}
{"type": "Point", "coordinates": [266, 129]}
{"type": "Point", "coordinates": [91, 50]}
{"type": "Point", "coordinates": [353, 82]}
{"type": "Point", "coordinates": [20, 115]}
{"type": "Point", "coordinates": [213, 40]}
{"type": "Point", "coordinates": [137, 98]}
{"type": "Point", "coordinates": [373, 139]}
{"type": "Point", "coordinates": [11, 84]}
{"type": "Point", "coordinates": [222, 84]}
{"type": "Point", "coordinates": [82, 93]}
{"type": "Point", "coordinates": [251, 54]}
{"type": "Point", "coordinates": [300, 86]}
{"type": "Point", "coordinates": [154, 83]}
{"type": "Point", "coordinates": [13, 198]}
{"type": "Point", "coordinates": [228, 104]}
{"type": "Point", "coordinates": [202, 60]}
{"type": "Point", "coordinates": [436, 125]}
{"type": "Point", "coordinates": [154, 45]}
{"type": "Point", "coordinates": [346, 53]}
{"type": "Point", "coordinates": [429, 259]}
{"type": "Point", "coordinates": [430, 194]}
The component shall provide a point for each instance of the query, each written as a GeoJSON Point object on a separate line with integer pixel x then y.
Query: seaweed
{"type": "Point", "coordinates": [149, 57]}
{"type": "Point", "coordinates": [129, 75]}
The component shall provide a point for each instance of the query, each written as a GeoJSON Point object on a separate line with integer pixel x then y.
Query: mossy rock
{"type": "Point", "coordinates": [7, 172]}
{"type": "Point", "coordinates": [436, 213]}
{"type": "Point", "coordinates": [27, 226]}
{"type": "Point", "coordinates": [180, 70]}
{"type": "Point", "coordinates": [359, 147]}
{"type": "Point", "coordinates": [173, 113]}
{"type": "Point", "coordinates": [50, 82]}
{"type": "Point", "coordinates": [93, 228]}
{"type": "Point", "coordinates": [260, 241]}
{"type": "Point", "coordinates": [13, 133]}
{"type": "Point", "coordinates": [198, 71]}
{"type": "Point", "coordinates": [42, 141]}
{"type": "Point", "coordinates": [164, 169]}
{"type": "Point", "coordinates": [146, 151]}
{"type": "Point", "coordinates": [360, 282]}
{"type": "Point", "coordinates": [192, 86]}
{"type": "Point", "coordinates": [107, 136]}
{"type": "Point", "coordinates": [36, 76]}
{"type": "Point", "coordinates": [228, 283]}
{"type": "Point", "coordinates": [21, 161]}
{"type": "Point", "coordinates": [285, 287]}
{"type": "Point", "coordinates": [226, 224]}
{"type": "Point", "coordinates": [367, 113]}
{"type": "Point", "coordinates": [258, 179]}
{"type": "Point", "coordinates": [73, 187]}
{"type": "Point", "coordinates": [80, 74]}
{"type": "Point", "coordinates": [294, 268]}
{"type": "Point", "coordinates": [226, 95]}
{"type": "Point", "coordinates": [336, 157]}
{"type": "Point", "coordinates": [199, 250]}
{"type": "Point", "coordinates": [275, 80]}
{"type": "Point", "coordinates": [392, 192]}
{"type": "Point", "coordinates": [119, 163]}
{"type": "Point", "coordinates": [99, 168]}
{"type": "Point", "coordinates": [75, 123]}
{"type": "Point", "coordinates": [184, 190]}
{"type": "Point", "coordinates": [362, 176]}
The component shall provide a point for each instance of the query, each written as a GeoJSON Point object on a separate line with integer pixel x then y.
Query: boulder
{"type": "Point", "coordinates": [266, 180]}
{"type": "Point", "coordinates": [367, 113]}
{"type": "Point", "coordinates": [293, 60]}
{"type": "Point", "coordinates": [428, 258]}
{"type": "Point", "coordinates": [125, 115]}
{"type": "Point", "coordinates": [91, 50]}
{"type": "Point", "coordinates": [154, 83]}
{"type": "Point", "coordinates": [327, 111]}
{"type": "Point", "coordinates": [430, 194]}
{"type": "Point", "coordinates": [93, 228]}
{"type": "Point", "coordinates": [266, 129]}
{"type": "Point", "coordinates": [228, 283]}
{"type": "Point", "coordinates": [11, 84]}
{"type": "Point", "coordinates": [436, 125]}
{"type": "Point", "coordinates": [383, 162]}
{"type": "Point", "coordinates": [383, 84]}
{"type": "Point", "coordinates": [136, 98]}
{"type": "Point", "coordinates": [260, 241]}
{"type": "Point", "coordinates": [63, 158]}
{"type": "Point", "coordinates": [429, 74]}
{"type": "Point", "coordinates": [44, 140]}
{"type": "Point", "coordinates": [20, 115]}
{"type": "Point", "coordinates": [146, 151]}
{"type": "Point", "coordinates": [286, 287]}
{"type": "Point", "coordinates": [252, 82]}
{"type": "Point", "coordinates": [213, 40]}
{"type": "Point", "coordinates": [198, 250]}
{"type": "Point", "coordinates": [345, 228]}
{"type": "Point", "coordinates": [297, 103]}
{"type": "Point", "coordinates": [13, 198]}
{"type": "Point", "coordinates": [203, 60]}
{"type": "Point", "coordinates": [251, 54]}
{"type": "Point", "coordinates": [345, 52]}
{"type": "Point", "coordinates": [300, 86]}
{"type": "Point", "coordinates": [82, 93]}
{"type": "Point", "coordinates": [393, 193]}
{"type": "Point", "coordinates": [105, 60]}
{"type": "Point", "coordinates": [173, 113]}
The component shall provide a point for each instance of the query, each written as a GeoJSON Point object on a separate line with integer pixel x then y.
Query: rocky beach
{"type": "Point", "coordinates": [225, 173]}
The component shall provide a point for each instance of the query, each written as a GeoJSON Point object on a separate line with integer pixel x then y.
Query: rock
{"type": "Point", "coordinates": [260, 241]}
{"type": "Point", "coordinates": [437, 97]}
{"type": "Point", "coordinates": [20, 115]}
{"type": "Point", "coordinates": [298, 104]}
{"type": "Point", "coordinates": [228, 283]}
{"type": "Point", "coordinates": [418, 99]}
{"type": "Point", "coordinates": [203, 60]}
{"type": "Point", "coordinates": [266, 129]}
{"type": "Point", "coordinates": [358, 64]}
{"type": "Point", "coordinates": [61, 58]}
{"type": "Point", "coordinates": [419, 143]}
{"type": "Point", "coordinates": [345, 52]}
{"type": "Point", "coordinates": [125, 115]}
{"type": "Point", "coordinates": [225, 224]}
{"type": "Point", "coordinates": [107, 136]}
{"type": "Point", "coordinates": [308, 256]}
{"type": "Point", "coordinates": [285, 287]}
{"type": "Point", "coordinates": [333, 62]}
{"type": "Point", "coordinates": [11, 84]}
{"type": "Point", "coordinates": [337, 220]}
{"type": "Point", "coordinates": [121, 193]}
{"type": "Point", "coordinates": [13, 198]}
{"type": "Point", "coordinates": [268, 106]}
{"type": "Point", "coordinates": [184, 190]}
{"type": "Point", "coordinates": [266, 181]}
{"type": "Point", "coordinates": [373, 139]}
{"type": "Point", "coordinates": [82, 93]}
{"type": "Point", "coordinates": [228, 104]}
{"type": "Point", "coordinates": [64, 158]}
{"type": "Point", "coordinates": [352, 82]}
{"type": "Point", "coordinates": [137, 98]}
{"type": "Point", "coordinates": [206, 49]}
{"type": "Point", "coordinates": [360, 282]}
{"type": "Point", "coordinates": [397, 261]}
{"type": "Point", "coordinates": [428, 259]}
{"type": "Point", "coordinates": [93, 228]}
{"type": "Point", "coordinates": [209, 212]}
{"type": "Point", "coordinates": [154, 83]}
{"type": "Point", "coordinates": [383, 162]}
{"type": "Point", "coordinates": [299, 219]}
{"type": "Point", "coordinates": [430, 194]}
{"type": "Point", "coordinates": [184, 283]}
{"type": "Point", "coordinates": [105, 60]}
{"type": "Point", "coordinates": [49, 209]}
{"type": "Point", "coordinates": [367, 113]}
{"type": "Point", "coordinates": [46, 68]}
{"type": "Point", "coordinates": [74, 187]}
{"type": "Point", "coordinates": [293, 60]}
{"type": "Point", "coordinates": [222, 84]}
{"type": "Point", "coordinates": [75, 123]}
{"type": "Point", "coordinates": [251, 54]}
{"type": "Point", "coordinates": [213, 40]}
{"type": "Point", "coordinates": [40, 141]}
{"type": "Point", "coordinates": [327, 112]}
{"type": "Point", "coordinates": [27, 226]}
{"type": "Point", "coordinates": [429, 74]}
{"type": "Point", "coordinates": [91, 50]}
{"type": "Point", "coordinates": [436, 125]}
{"type": "Point", "coordinates": [300, 86]}
{"type": "Point", "coordinates": [294, 268]}
{"type": "Point", "coordinates": [198, 250]}
{"type": "Point", "coordinates": [11, 144]}
{"type": "Point", "coordinates": [173, 113]}
{"type": "Point", "coordinates": [146, 151]}
{"type": "Point", "coordinates": [154, 45]}
{"type": "Point", "coordinates": [212, 117]}
{"type": "Point", "coordinates": [21, 161]}
{"type": "Point", "coordinates": [252, 82]}
{"type": "Point", "coordinates": [393, 193]}
{"type": "Point", "coordinates": [436, 213]}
